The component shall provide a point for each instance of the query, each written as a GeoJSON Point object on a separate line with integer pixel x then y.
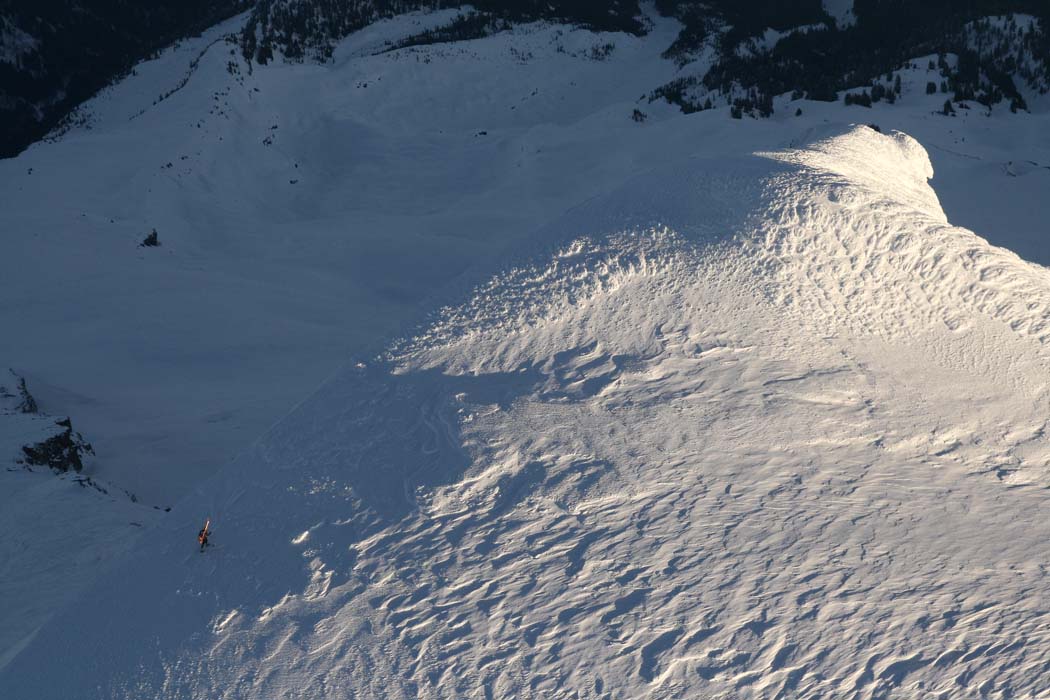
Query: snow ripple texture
{"type": "Point", "coordinates": [763, 427]}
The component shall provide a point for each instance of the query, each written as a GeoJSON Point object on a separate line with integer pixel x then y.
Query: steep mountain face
{"type": "Point", "coordinates": [55, 515]}
{"type": "Point", "coordinates": [743, 54]}
{"type": "Point", "coordinates": [746, 58]}
{"type": "Point", "coordinates": [54, 55]}
{"type": "Point", "coordinates": [699, 406]}
{"type": "Point", "coordinates": [298, 29]}
{"type": "Point", "coordinates": [743, 427]}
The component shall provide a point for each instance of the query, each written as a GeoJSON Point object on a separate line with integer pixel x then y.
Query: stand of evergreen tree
{"type": "Point", "coordinates": [80, 47]}
{"type": "Point", "coordinates": [83, 45]}
{"type": "Point", "coordinates": [311, 28]}
{"type": "Point", "coordinates": [820, 63]}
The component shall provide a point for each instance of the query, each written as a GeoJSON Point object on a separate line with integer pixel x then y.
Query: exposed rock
{"type": "Point", "coordinates": [150, 241]}
{"type": "Point", "coordinates": [18, 400]}
{"type": "Point", "coordinates": [38, 439]}
{"type": "Point", "coordinates": [62, 451]}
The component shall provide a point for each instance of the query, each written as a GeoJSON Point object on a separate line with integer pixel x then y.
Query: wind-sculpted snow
{"type": "Point", "coordinates": [868, 231]}
{"type": "Point", "coordinates": [745, 428]}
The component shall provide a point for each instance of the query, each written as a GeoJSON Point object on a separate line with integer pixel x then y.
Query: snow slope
{"type": "Point", "coordinates": [752, 426]}
{"type": "Point", "coordinates": [307, 212]}
{"type": "Point", "coordinates": [705, 279]}
{"type": "Point", "coordinates": [60, 530]}
{"type": "Point", "coordinates": [304, 212]}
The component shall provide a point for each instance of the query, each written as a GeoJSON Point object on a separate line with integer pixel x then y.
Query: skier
{"type": "Point", "coordinates": [202, 536]}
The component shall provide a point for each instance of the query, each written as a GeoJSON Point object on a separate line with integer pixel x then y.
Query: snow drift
{"type": "Point", "coordinates": [744, 427]}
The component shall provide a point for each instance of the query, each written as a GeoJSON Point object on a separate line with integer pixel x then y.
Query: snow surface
{"type": "Point", "coordinates": [60, 531]}
{"type": "Point", "coordinates": [738, 412]}
{"type": "Point", "coordinates": [755, 425]}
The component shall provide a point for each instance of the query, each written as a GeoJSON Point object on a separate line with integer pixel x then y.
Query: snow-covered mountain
{"type": "Point", "coordinates": [55, 55]}
{"type": "Point", "coordinates": [739, 53]}
{"type": "Point", "coordinates": [698, 407]}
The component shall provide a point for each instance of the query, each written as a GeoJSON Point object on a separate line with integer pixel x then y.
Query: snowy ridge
{"type": "Point", "coordinates": [861, 258]}
{"type": "Point", "coordinates": [758, 427]}
{"type": "Point", "coordinates": [809, 227]}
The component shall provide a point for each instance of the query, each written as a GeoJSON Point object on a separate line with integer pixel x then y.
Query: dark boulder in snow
{"type": "Point", "coordinates": [150, 241]}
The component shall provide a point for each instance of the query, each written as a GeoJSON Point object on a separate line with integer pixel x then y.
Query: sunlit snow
{"type": "Point", "coordinates": [691, 407]}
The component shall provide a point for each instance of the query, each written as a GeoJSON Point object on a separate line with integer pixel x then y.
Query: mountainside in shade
{"type": "Point", "coordinates": [54, 55]}
{"type": "Point", "coordinates": [616, 400]}
{"type": "Point", "coordinates": [54, 516]}
{"type": "Point", "coordinates": [765, 424]}
{"type": "Point", "coordinates": [744, 54]}
{"type": "Point", "coordinates": [735, 53]}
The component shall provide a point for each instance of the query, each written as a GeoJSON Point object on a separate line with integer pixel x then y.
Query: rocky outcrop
{"type": "Point", "coordinates": [42, 440]}
{"type": "Point", "coordinates": [17, 399]}
{"type": "Point", "coordinates": [62, 451]}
